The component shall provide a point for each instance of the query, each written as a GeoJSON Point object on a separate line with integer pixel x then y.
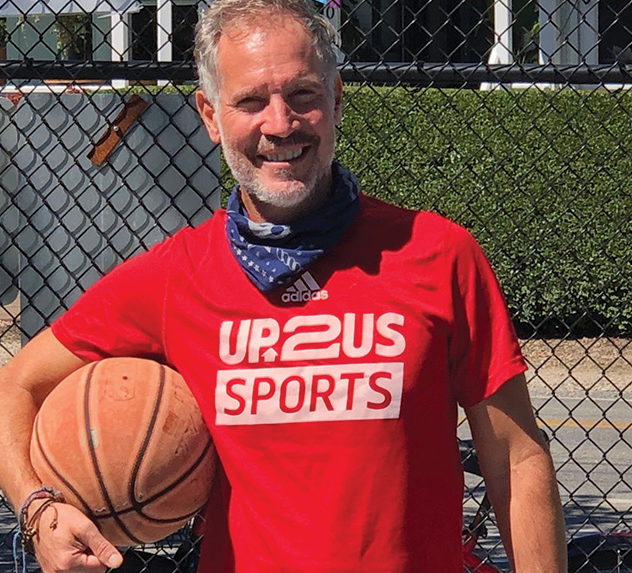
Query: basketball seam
{"type": "Point", "coordinates": [61, 478]}
{"type": "Point", "coordinates": [139, 506]}
{"type": "Point", "coordinates": [136, 505]}
{"type": "Point", "coordinates": [155, 519]}
{"type": "Point", "coordinates": [95, 463]}
{"type": "Point", "coordinates": [174, 484]}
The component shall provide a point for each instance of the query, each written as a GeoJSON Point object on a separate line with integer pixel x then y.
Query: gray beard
{"type": "Point", "coordinates": [293, 194]}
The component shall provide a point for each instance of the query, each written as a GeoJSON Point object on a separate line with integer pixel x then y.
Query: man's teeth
{"type": "Point", "coordinates": [285, 156]}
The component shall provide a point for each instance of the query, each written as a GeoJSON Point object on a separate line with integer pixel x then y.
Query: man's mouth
{"type": "Point", "coordinates": [283, 156]}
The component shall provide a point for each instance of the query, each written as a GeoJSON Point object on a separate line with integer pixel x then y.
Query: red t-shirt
{"type": "Point", "coordinates": [332, 401]}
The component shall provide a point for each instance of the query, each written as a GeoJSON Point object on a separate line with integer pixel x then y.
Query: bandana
{"type": "Point", "coordinates": [272, 254]}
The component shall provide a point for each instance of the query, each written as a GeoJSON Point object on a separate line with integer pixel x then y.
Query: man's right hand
{"type": "Point", "coordinates": [70, 542]}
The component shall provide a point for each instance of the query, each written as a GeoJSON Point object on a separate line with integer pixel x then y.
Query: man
{"type": "Point", "coordinates": [326, 336]}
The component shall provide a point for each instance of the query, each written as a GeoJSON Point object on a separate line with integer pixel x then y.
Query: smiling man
{"type": "Point", "coordinates": [327, 336]}
{"type": "Point", "coordinates": [273, 113]}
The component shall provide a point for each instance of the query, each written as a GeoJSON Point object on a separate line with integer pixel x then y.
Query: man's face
{"type": "Point", "coordinates": [275, 116]}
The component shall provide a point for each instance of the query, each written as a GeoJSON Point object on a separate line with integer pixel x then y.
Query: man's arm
{"type": "Point", "coordinates": [520, 479]}
{"type": "Point", "coordinates": [24, 383]}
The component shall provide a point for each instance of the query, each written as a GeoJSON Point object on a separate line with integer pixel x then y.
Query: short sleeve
{"type": "Point", "coordinates": [483, 349]}
{"type": "Point", "coordinates": [122, 313]}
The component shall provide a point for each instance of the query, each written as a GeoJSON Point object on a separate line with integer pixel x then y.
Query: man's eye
{"type": "Point", "coordinates": [251, 104]}
{"type": "Point", "coordinates": [303, 95]}
{"type": "Point", "coordinates": [303, 101]}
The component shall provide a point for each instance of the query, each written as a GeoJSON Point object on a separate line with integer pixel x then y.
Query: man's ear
{"type": "Point", "coordinates": [208, 115]}
{"type": "Point", "coordinates": [337, 99]}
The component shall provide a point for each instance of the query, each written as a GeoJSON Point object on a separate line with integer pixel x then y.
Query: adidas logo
{"type": "Point", "coordinates": [304, 289]}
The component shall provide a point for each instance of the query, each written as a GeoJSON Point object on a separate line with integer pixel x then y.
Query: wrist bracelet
{"type": "Point", "coordinates": [28, 527]}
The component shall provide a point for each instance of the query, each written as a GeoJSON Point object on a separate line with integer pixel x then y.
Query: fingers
{"type": "Point", "coordinates": [102, 550]}
{"type": "Point", "coordinates": [87, 563]}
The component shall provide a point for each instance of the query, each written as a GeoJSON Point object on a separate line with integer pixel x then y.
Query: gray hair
{"type": "Point", "coordinates": [223, 13]}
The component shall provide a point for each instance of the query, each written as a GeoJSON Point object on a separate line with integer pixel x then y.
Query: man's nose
{"type": "Point", "coordinates": [280, 120]}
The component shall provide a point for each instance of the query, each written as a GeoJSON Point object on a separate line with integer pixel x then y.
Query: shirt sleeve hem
{"type": "Point", "coordinates": [64, 337]}
{"type": "Point", "coordinates": [496, 381]}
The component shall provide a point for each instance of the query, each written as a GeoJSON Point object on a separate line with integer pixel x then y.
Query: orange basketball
{"type": "Point", "coordinates": [124, 440]}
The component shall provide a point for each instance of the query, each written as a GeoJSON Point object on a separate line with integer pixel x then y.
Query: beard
{"type": "Point", "coordinates": [289, 191]}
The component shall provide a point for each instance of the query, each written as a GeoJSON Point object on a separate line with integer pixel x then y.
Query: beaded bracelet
{"type": "Point", "coordinates": [28, 527]}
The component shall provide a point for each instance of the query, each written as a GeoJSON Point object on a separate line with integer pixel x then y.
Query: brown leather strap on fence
{"type": "Point", "coordinates": [132, 108]}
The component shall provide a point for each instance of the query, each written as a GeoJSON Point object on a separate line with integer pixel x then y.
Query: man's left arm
{"type": "Point", "coordinates": [520, 479]}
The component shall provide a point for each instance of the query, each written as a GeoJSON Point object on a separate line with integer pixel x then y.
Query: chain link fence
{"type": "Point", "coordinates": [512, 117]}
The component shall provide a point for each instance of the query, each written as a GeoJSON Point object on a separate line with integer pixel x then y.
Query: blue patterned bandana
{"type": "Point", "coordinates": [273, 254]}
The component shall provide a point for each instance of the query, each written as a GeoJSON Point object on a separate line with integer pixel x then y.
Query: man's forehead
{"type": "Point", "coordinates": [244, 51]}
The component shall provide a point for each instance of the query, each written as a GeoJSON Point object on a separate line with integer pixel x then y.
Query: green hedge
{"type": "Point", "coordinates": [542, 179]}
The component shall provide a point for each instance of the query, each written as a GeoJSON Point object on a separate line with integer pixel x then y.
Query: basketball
{"type": "Point", "coordinates": [124, 440]}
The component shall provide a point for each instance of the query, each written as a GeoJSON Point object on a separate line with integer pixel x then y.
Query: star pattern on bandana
{"type": "Point", "coordinates": [271, 255]}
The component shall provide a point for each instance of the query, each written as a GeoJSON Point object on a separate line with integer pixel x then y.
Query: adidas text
{"type": "Point", "coordinates": [304, 296]}
{"type": "Point", "coordinates": [304, 289]}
